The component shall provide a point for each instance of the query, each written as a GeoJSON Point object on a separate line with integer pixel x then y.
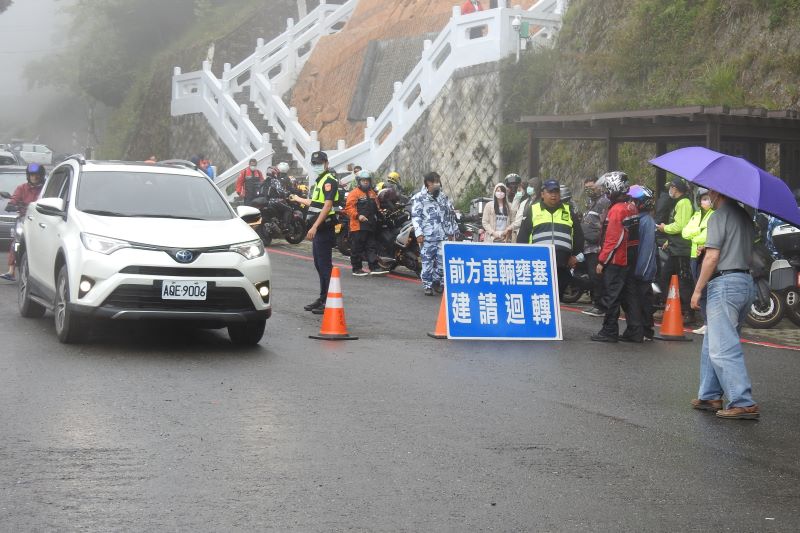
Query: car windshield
{"type": "Point", "coordinates": [151, 195]}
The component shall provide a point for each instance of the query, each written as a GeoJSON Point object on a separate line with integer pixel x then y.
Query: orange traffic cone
{"type": "Point", "coordinates": [334, 327]}
{"type": "Point", "coordinates": [441, 323]}
{"type": "Point", "coordinates": [672, 323]}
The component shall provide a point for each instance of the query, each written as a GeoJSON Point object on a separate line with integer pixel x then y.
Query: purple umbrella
{"type": "Point", "coordinates": [735, 177]}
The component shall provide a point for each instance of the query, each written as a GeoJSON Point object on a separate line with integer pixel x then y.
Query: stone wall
{"type": "Point", "coordinates": [458, 136]}
{"type": "Point", "coordinates": [191, 135]}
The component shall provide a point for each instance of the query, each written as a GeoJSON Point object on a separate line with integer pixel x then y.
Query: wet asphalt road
{"type": "Point", "coordinates": [162, 429]}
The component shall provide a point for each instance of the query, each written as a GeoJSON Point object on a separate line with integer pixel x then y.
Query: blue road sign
{"type": "Point", "coordinates": [501, 291]}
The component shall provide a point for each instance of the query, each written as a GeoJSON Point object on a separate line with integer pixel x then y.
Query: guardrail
{"type": "Point", "coordinates": [467, 40]}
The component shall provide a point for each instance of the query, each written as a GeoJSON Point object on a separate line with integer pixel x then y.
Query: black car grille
{"type": "Point", "coordinates": [148, 297]}
{"type": "Point", "coordinates": [6, 229]}
{"type": "Point", "coordinates": [184, 272]}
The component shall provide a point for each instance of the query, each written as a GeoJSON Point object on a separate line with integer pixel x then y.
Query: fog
{"type": "Point", "coordinates": [29, 30]}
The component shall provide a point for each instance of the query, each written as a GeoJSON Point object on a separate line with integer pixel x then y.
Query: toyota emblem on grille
{"type": "Point", "coordinates": [184, 256]}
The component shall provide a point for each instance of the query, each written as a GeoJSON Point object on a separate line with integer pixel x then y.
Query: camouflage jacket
{"type": "Point", "coordinates": [433, 218]}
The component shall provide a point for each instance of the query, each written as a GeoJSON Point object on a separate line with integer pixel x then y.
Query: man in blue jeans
{"type": "Point", "coordinates": [730, 291]}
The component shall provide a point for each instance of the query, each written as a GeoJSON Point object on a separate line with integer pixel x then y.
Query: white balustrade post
{"type": "Point", "coordinates": [398, 105]}
{"type": "Point", "coordinates": [291, 52]}
{"type": "Point", "coordinates": [322, 16]}
{"type": "Point", "coordinates": [427, 65]}
{"type": "Point", "coordinates": [314, 142]}
{"type": "Point", "coordinates": [265, 144]}
{"type": "Point", "coordinates": [175, 88]}
{"type": "Point", "coordinates": [341, 145]}
{"type": "Point", "coordinates": [368, 129]}
{"type": "Point", "coordinates": [288, 134]}
{"type": "Point", "coordinates": [226, 77]}
{"type": "Point", "coordinates": [207, 65]}
{"type": "Point", "coordinates": [456, 12]}
{"type": "Point", "coordinates": [372, 139]}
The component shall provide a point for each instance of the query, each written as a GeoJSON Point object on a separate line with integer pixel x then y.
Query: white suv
{"type": "Point", "coordinates": [127, 241]}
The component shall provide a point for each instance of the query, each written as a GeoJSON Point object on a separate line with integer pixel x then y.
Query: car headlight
{"type": "Point", "coordinates": [103, 245]}
{"type": "Point", "coordinates": [249, 250]}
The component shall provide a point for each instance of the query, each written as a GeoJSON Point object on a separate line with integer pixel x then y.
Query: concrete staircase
{"type": "Point", "coordinates": [281, 153]}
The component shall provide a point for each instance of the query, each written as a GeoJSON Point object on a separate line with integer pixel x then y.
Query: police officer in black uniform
{"type": "Point", "coordinates": [322, 221]}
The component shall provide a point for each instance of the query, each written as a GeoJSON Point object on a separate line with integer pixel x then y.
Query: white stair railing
{"type": "Point", "coordinates": [467, 40]}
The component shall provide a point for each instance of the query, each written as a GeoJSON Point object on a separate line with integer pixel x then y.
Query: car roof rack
{"type": "Point", "coordinates": [178, 163]}
{"type": "Point", "coordinates": [80, 158]}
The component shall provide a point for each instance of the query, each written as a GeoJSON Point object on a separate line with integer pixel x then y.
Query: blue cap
{"type": "Point", "coordinates": [551, 185]}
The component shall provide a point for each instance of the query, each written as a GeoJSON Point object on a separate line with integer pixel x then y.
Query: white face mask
{"type": "Point", "coordinates": [318, 169]}
{"type": "Point", "coordinates": [529, 190]}
{"type": "Point", "coordinates": [705, 203]}
{"type": "Point", "coordinates": [253, 168]}
{"type": "Point", "coordinates": [499, 195]}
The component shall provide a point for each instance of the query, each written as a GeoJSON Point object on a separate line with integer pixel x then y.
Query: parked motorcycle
{"type": "Point", "coordinates": [395, 240]}
{"type": "Point", "coordinates": [784, 276]}
{"type": "Point", "coordinates": [581, 282]}
{"type": "Point", "coordinates": [769, 306]}
{"type": "Point", "coordinates": [469, 228]}
{"type": "Point", "coordinates": [280, 218]}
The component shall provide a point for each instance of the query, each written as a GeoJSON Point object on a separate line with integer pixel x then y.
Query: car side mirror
{"type": "Point", "coordinates": [52, 207]}
{"type": "Point", "coordinates": [247, 213]}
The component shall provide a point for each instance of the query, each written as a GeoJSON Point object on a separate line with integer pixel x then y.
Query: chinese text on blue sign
{"type": "Point", "coordinates": [501, 291]}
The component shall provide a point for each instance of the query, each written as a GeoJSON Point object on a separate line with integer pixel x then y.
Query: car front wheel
{"type": "Point", "coordinates": [27, 307]}
{"type": "Point", "coordinates": [247, 334]}
{"type": "Point", "coordinates": [70, 328]}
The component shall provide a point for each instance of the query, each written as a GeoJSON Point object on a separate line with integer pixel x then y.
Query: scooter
{"type": "Point", "coordinates": [280, 218]}
{"type": "Point", "coordinates": [581, 283]}
{"type": "Point", "coordinates": [397, 243]}
{"type": "Point", "coordinates": [769, 306]}
{"type": "Point", "coordinates": [784, 275]}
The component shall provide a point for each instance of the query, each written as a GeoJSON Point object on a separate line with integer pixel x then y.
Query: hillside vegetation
{"type": "Point", "coordinates": [636, 54]}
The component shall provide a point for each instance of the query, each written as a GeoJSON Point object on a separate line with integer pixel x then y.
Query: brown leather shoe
{"type": "Point", "coordinates": [740, 413]}
{"type": "Point", "coordinates": [707, 405]}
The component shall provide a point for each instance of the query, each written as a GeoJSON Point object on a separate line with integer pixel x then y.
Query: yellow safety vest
{"type": "Point", "coordinates": [552, 228]}
{"type": "Point", "coordinates": [318, 195]}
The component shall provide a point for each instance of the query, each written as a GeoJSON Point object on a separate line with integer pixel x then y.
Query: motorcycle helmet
{"type": "Point", "coordinates": [35, 169]}
{"type": "Point", "coordinates": [512, 179]}
{"type": "Point", "coordinates": [643, 197]}
{"type": "Point", "coordinates": [614, 183]}
{"type": "Point", "coordinates": [272, 172]}
{"type": "Point", "coordinates": [701, 191]}
{"type": "Point", "coordinates": [566, 194]}
{"type": "Point", "coordinates": [283, 167]}
{"type": "Point", "coordinates": [364, 176]}
{"type": "Point", "coordinates": [393, 177]}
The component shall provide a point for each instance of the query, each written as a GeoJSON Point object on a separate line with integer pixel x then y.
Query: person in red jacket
{"type": "Point", "coordinates": [249, 182]}
{"type": "Point", "coordinates": [23, 195]}
{"type": "Point", "coordinates": [362, 208]}
{"type": "Point", "coordinates": [612, 262]}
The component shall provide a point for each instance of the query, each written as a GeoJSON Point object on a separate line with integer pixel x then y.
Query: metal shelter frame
{"type": "Point", "coordinates": [742, 131]}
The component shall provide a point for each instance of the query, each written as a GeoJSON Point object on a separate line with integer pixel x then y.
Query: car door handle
{"type": "Point", "coordinates": [41, 225]}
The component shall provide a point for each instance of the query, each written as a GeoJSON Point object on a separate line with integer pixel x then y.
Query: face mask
{"type": "Point", "coordinates": [435, 189]}
{"type": "Point", "coordinates": [518, 195]}
{"type": "Point", "coordinates": [499, 195]}
{"type": "Point", "coordinates": [318, 169]}
{"type": "Point", "coordinates": [705, 204]}
{"type": "Point", "coordinates": [253, 168]}
{"type": "Point", "coordinates": [529, 190]}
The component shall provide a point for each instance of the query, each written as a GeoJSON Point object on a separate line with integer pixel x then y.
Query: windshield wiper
{"type": "Point", "coordinates": [165, 216]}
{"type": "Point", "coordinates": [104, 213]}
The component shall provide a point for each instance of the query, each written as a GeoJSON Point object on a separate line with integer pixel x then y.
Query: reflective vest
{"type": "Point", "coordinates": [552, 228]}
{"type": "Point", "coordinates": [318, 195]}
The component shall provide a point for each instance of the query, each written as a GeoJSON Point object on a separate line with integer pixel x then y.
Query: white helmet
{"type": "Point", "coordinates": [283, 167]}
{"type": "Point", "coordinates": [614, 183]}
